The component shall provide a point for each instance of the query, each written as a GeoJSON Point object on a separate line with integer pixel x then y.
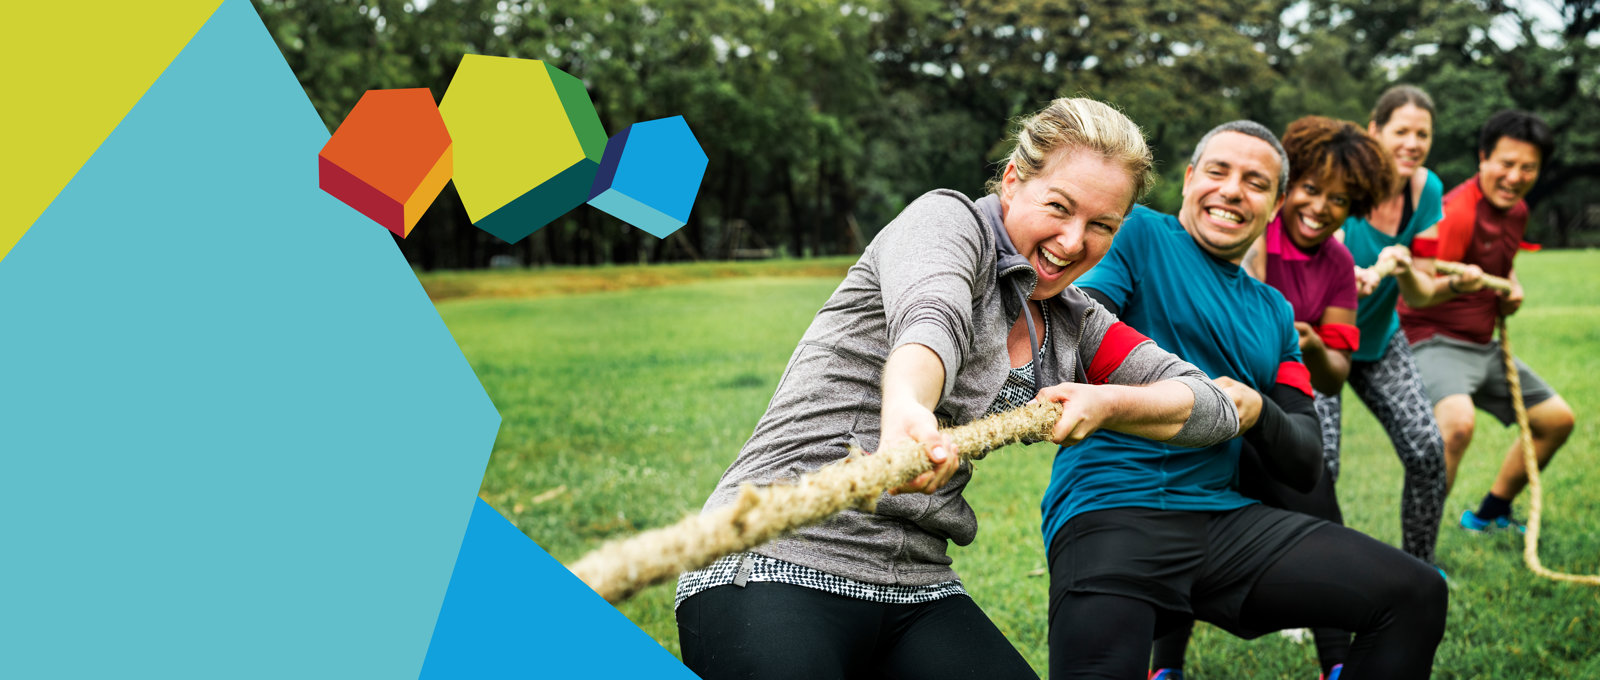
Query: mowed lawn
{"type": "Point", "coordinates": [621, 408]}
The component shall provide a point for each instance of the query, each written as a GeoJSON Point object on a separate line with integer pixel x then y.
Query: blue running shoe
{"type": "Point", "coordinates": [1333, 674]}
{"type": "Point", "coordinates": [1166, 674]}
{"type": "Point", "coordinates": [1471, 522]}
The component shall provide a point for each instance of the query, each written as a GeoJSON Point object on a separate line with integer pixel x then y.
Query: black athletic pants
{"type": "Point", "coordinates": [1255, 481]}
{"type": "Point", "coordinates": [1334, 577]}
{"type": "Point", "coordinates": [777, 630]}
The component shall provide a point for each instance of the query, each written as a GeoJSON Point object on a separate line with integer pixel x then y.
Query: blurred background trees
{"type": "Point", "coordinates": [822, 119]}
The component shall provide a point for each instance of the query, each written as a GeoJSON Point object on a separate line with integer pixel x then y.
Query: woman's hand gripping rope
{"type": "Point", "coordinates": [621, 568]}
{"type": "Point", "coordinates": [906, 420]}
{"type": "Point", "coordinates": [1396, 260]}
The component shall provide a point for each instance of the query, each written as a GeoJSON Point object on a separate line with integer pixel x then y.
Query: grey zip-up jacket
{"type": "Point", "coordinates": [943, 274]}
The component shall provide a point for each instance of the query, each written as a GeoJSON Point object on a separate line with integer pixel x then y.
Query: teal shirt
{"type": "Point", "coordinates": [1376, 315]}
{"type": "Point", "coordinates": [1197, 307]}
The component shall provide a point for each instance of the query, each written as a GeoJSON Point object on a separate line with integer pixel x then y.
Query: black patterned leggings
{"type": "Point", "coordinates": [1392, 390]}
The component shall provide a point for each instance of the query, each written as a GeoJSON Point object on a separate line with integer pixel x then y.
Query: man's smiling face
{"type": "Point", "coordinates": [1230, 194]}
{"type": "Point", "coordinates": [1508, 173]}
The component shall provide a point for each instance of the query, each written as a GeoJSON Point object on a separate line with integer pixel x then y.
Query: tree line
{"type": "Point", "coordinates": [822, 119]}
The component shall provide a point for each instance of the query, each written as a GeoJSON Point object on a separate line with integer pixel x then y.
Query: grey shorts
{"type": "Point", "coordinates": [1450, 366]}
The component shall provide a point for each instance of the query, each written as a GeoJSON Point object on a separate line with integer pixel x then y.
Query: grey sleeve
{"type": "Point", "coordinates": [1213, 418]}
{"type": "Point", "coordinates": [930, 261]}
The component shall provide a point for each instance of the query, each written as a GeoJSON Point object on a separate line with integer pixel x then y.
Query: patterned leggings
{"type": "Point", "coordinates": [1392, 390]}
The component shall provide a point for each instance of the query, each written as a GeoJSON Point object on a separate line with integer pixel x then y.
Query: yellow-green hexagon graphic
{"type": "Point", "coordinates": [527, 142]}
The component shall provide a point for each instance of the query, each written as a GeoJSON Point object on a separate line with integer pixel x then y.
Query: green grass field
{"type": "Point", "coordinates": [622, 407]}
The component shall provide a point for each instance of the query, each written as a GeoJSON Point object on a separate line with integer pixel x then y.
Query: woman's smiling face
{"type": "Point", "coordinates": [1315, 208]}
{"type": "Point", "coordinates": [1062, 220]}
{"type": "Point", "coordinates": [1407, 137]}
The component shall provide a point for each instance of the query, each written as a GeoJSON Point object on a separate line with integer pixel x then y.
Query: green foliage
{"type": "Point", "coordinates": [621, 409]}
{"type": "Point", "coordinates": [823, 118]}
{"type": "Point", "coordinates": [1474, 58]}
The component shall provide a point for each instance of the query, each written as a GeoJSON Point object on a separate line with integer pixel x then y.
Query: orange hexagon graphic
{"type": "Point", "coordinates": [389, 158]}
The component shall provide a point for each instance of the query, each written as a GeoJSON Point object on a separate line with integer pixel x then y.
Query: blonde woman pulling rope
{"type": "Point", "coordinates": [956, 309]}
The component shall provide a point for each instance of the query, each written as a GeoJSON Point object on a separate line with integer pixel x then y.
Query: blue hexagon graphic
{"type": "Point", "coordinates": [650, 175]}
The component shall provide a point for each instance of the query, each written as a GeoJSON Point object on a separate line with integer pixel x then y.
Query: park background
{"type": "Point", "coordinates": [823, 119]}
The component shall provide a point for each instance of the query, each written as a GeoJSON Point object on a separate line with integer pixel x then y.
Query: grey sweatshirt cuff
{"type": "Point", "coordinates": [1214, 418]}
{"type": "Point", "coordinates": [934, 336]}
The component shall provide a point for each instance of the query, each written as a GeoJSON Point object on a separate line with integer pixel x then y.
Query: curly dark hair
{"type": "Point", "coordinates": [1322, 147]}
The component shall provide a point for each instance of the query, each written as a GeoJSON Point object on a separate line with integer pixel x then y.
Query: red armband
{"type": "Point", "coordinates": [1296, 375]}
{"type": "Point", "coordinates": [1425, 247]}
{"type": "Point", "coordinates": [1340, 336]}
{"type": "Point", "coordinates": [1119, 340]}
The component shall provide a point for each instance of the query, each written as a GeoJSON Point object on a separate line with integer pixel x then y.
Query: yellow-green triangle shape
{"type": "Point", "coordinates": [74, 71]}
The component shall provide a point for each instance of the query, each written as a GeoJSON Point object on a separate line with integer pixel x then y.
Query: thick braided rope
{"type": "Point", "coordinates": [621, 568]}
{"type": "Point", "coordinates": [1386, 267]}
{"type": "Point", "coordinates": [1490, 281]}
{"type": "Point", "coordinates": [1530, 548]}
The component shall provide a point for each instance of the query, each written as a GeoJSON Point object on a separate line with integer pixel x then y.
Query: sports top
{"type": "Point", "coordinates": [1212, 314]}
{"type": "Point", "coordinates": [1376, 316]}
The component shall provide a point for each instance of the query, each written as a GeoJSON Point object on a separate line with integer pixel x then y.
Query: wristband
{"type": "Point", "coordinates": [1339, 336]}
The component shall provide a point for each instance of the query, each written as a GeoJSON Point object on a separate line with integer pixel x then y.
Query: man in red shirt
{"type": "Point", "coordinates": [1454, 344]}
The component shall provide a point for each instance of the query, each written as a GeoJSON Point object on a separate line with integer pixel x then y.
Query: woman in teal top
{"type": "Point", "coordinates": [1376, 317]}
{"type": "Point", "coordinates": [1382, 372]}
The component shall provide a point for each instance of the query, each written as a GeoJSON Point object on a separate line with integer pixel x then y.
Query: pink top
{"type": "Point", "coordinates": [1312, 280]}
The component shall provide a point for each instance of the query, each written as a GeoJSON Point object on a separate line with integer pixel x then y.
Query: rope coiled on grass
{"type": "Point", "coordinates": [1530, 547]}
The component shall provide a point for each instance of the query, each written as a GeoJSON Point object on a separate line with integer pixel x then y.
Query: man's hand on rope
{"type": "Point", "coordinates": [905, 420]}
{"type": "Point", "coordinates": [1084, 409]}
{"type": "Point", "coordinates": [1511, 301]}
{"type": "Point", "coordinates": [1468, 280]}
{"type": "Point", "coordinates": [1245, 398]}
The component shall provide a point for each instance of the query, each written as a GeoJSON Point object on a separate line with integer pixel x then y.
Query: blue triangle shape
{"type": "Point", "coordinates": [513, 611]}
